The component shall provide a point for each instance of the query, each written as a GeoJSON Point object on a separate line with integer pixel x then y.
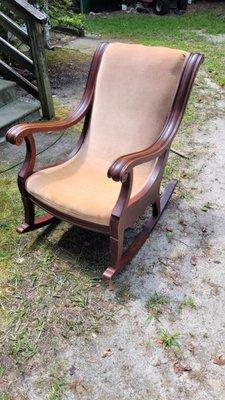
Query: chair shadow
{"type": "Point", "coordinates": [86, 250]}
{"type": "Point", "coordinates": [90, 250]}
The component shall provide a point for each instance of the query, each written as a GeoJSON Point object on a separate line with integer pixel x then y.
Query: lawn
{"type": "Point", "coordinates": [50, 290]}
{"type": "Point", "coordinates": [189, 32]}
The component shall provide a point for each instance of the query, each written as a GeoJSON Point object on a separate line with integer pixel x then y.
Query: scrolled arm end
{"type": "Point", "coordinates": [15, 135]}
{"type": "Point", "coordinates": [119, 169]}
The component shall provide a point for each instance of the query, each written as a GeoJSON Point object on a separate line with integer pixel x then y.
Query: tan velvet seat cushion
{"type": "Point", "coordinates": [135, 89]}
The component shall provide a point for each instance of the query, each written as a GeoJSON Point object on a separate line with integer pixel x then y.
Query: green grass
{"type": "Point", "coordinates": [56, 390]}
{"type": "Point", "coordinates": [207, 206]}
{"type": "Point", "coordinates": [179, 32]}
{"type": "Point", "coordinates": [188, 302]}
{"type": "Point", "coordinates": [46, 281]}
{"type": "Point", "coordinates": [5, 396]}
{"type": "Point", "coordinates": [2, 371]}
{"type": "Point", "coordinates": [169, 339]}
{"type": "Point", "coordinates": [155, 303]}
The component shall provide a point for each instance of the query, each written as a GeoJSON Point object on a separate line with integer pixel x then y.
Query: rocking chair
{"type": "Point", "coordinates": [132, 107]}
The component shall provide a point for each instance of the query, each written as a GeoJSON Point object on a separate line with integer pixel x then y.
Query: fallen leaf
{"type": "Point", "coordinates": [191, 348]}
{"type": "Point", "coordinates": [220, 360]}
{"type": "Point", "coordinates": [72, 370]}
{"type": "Point", "coordinates": [179, 369]}
{"type": "Point", "coordinates": [107, 353]}
{"type": "Point", "coordinates": [158, 341]}
{"type": "Point", "coordinates": [193, 260]}
{"type": "Point", "coordinates": [183, 222]}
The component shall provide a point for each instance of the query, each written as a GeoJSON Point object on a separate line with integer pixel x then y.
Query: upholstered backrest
{"type": "Point", "coordinates": [135, 89]}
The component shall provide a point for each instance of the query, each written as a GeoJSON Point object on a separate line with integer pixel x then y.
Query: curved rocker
{"type": "Point", "coordinates": [130, 120]}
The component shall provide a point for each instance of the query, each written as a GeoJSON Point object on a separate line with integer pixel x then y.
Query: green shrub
{"type": "Point", "coordinates": [71, 20]}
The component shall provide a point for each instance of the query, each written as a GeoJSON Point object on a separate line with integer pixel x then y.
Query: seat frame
{"type": "Point", "coordinates": [127, 209]}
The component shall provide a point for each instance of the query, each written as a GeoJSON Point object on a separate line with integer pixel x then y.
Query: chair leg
{"type": "Point", "coordinates": [116, 251]}
{"type": "Point", "coordinates": [31, 223]}
{"type": "Point", "coordinates": [119, 259]}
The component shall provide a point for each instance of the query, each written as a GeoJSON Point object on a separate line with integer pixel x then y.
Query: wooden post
{"type": "Point", "coordinates": [36, 36]}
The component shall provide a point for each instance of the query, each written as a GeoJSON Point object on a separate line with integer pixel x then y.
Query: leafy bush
{"type": "Point", "coordinates": [59, 13]}
{"type": "Point", "coordinates": [71, 20]}
{"type": "Point", "coordinates": [62, 4]}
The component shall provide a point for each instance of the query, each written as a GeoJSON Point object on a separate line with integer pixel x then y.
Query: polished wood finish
{"type": "Point", "coordinates": [127, 209]}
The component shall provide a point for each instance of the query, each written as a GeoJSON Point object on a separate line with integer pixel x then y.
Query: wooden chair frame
{"type": "Point", "coordinates": [126, 210]}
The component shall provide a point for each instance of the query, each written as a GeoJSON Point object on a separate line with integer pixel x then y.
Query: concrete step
{"type": "Point", "coordinates": [7, 92]}
{"type": "Point", "coordinates": [15, 112]}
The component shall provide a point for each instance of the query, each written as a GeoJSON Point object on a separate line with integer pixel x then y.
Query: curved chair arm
{"type": "Point", "coordinates": [120, 168]}
{"type": "Point", "coordinates": [18, 133]}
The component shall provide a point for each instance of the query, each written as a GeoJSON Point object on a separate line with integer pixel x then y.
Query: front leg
{"type": "Point", "coordinates": [116, 251]}
{"type": "Point", "coordinates": [31, 224]}
{"type": "Point", "coordinates": [120, 258]}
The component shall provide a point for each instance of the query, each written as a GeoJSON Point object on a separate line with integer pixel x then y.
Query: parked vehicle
{"type": "Point", "coordinates": [100, 5]}
{"type": "Point", "coordinates": [162, 7]}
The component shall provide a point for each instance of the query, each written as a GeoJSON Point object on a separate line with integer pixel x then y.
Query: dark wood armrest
{"type": "Point", "coordinates": [120, 168]}
{"type": "Point", "coordinates": [18, 133]}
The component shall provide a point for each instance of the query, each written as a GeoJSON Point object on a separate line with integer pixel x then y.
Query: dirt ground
{"type": "Point", "coordinates": [173, 349]}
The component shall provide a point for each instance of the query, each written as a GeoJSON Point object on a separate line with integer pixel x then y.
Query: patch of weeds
{"type": "Point", "coordinates": [5, 225]}
{"type": "Point", "coordinates": [172, 167]}
{"type": "Point", "coordinates": [169, 339]}
{"type": "Point", "coordinates": [66, 57]}
{"type": "Point", "coordinates": [170, 235]}
{"type": "Point", "coordinates": [188, 302]}
{"type": "Point", "coordinates": [4, 255]}
{"type": "Point", "coordinates": [5, 396]}
{"type": "Point", "coordinates": [56, 390]}
{"type": "Point", "coordinates": [2, 371]}
{"type": "Point", "coordinates": [47, 258]}
{"type": "Point", "coordinates": [21, 348]}
{"type": "Point", "coordinates": [72, 327]}
{"type": "Point", "coordinates": [207, 206]}
{"type": "Point", "coordinates": [61, 111]}
{"type": "Point", "coordinates": [155, 303]}
{"type": "Point", "coordinates": [80, 300]}
{"type": "Point", "coordinates": [124, 294]}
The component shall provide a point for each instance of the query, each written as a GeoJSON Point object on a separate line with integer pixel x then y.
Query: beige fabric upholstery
{"type": "Point", "coordinates": [134, 93]}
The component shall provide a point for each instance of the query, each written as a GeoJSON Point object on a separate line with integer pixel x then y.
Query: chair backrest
{"type": "Point", "coordinates": [134, 93]}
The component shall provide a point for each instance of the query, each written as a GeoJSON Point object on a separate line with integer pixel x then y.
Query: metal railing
{"type": "Point", "coordinates": [33, 37]}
